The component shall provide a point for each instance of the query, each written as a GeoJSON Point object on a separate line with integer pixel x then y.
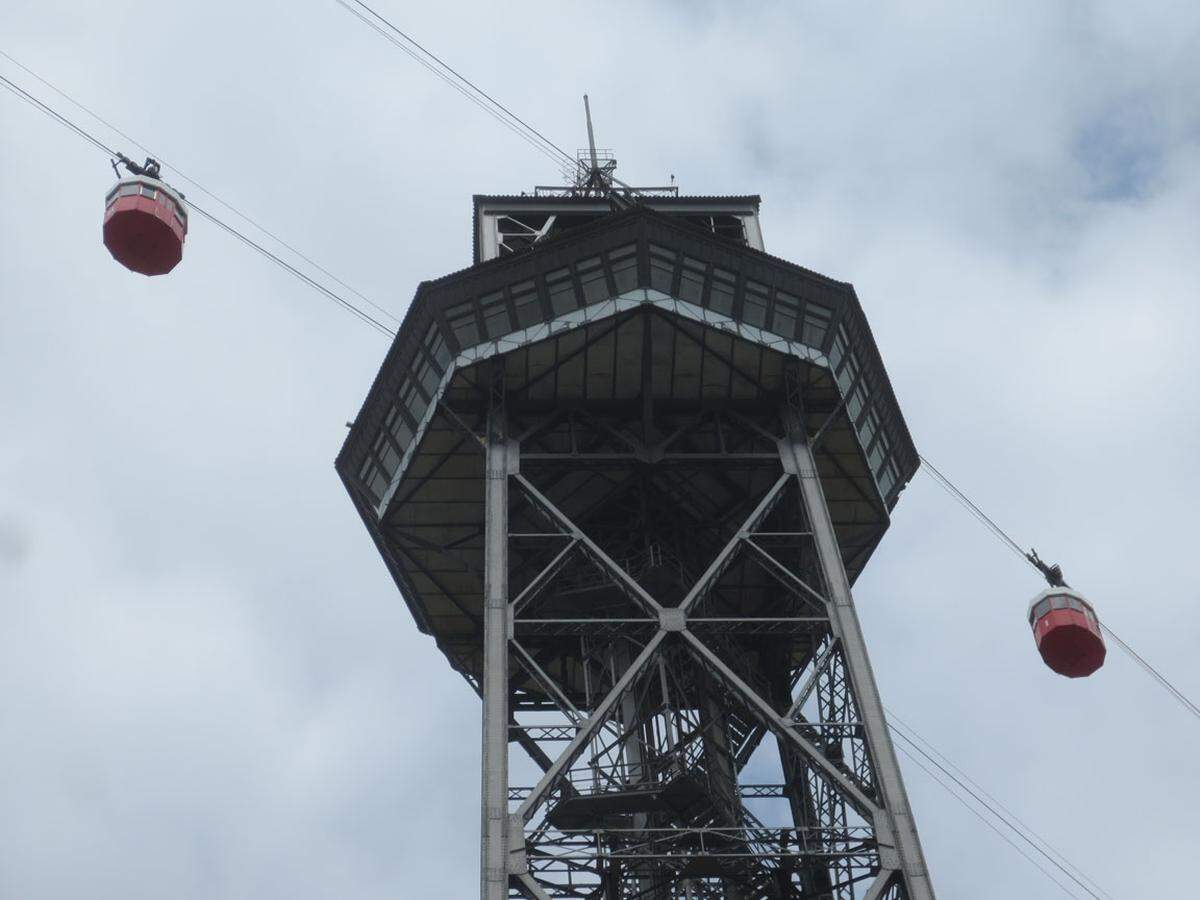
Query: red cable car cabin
{"type": "Point", "coordinates": [145, 223]}
{"type": "Point", "coordinates": [1067, 632]}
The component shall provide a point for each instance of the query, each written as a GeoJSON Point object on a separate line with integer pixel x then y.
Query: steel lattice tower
{"type": "Point", "coordinates": [624, 469]}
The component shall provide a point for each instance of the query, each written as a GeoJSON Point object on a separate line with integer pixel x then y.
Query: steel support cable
{"type": "Point", "coordinates": [201, 188]}
{"type": "Point", "coordinates": [363, 315]}
{"type": "Point", "coordinates": [472, 91]}
{"type": "Point", "coordinates": [950, 488]}
{"type": "Point", "coordinates": [448, 70]}
{"type": "Point", "coordinates": [571, 166]}
{"type": "Point", "coordinates": [61, 119]}
{"type": "Point", "coordinates": [1153, 672]}
{"type": "Point", "coordinates": [1013, 822]}
{"type": "Point", "coordinates": [982, 818]}
{"type": "Point", "coordinates": [454, 79]}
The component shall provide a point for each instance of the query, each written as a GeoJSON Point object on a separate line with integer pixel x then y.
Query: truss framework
{"type": "Point", "coordinates": [645, 680]}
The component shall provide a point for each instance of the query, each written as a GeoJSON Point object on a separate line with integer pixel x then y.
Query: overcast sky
{"type": "Point", "coordinates": [209, 687]}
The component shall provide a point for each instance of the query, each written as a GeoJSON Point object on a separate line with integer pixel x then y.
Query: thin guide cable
{"type": "Point", "coordinates": [359, 313]}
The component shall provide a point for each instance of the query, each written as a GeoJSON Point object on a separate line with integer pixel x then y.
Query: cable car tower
{"type": "Point", "coordinates": [624, 470]}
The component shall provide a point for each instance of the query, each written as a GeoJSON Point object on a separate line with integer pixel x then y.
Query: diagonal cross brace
{"type": "Point", "coordinates": [588, 729]}
{"type": "Point", "coordinates": [862, 803]}
{"type": "Point", "coordinates": [542, 578]}
{"type": "Point", "coordinates": [786, 575]}
{"type": "Point", "coordinates": [602, 559]}
{"type": "Point", "coordinates": [722, 560]}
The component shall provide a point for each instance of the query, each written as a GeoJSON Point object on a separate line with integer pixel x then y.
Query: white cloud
{"type": "Point", "coordinates": [211, 688]}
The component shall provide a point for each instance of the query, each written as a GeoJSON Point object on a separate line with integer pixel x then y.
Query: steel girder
{"type": "Point", "coordinates": [642, 733]}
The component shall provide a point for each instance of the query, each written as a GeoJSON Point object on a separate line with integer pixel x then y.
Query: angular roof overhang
{"type": "Point", "coordinates": [846, 386]}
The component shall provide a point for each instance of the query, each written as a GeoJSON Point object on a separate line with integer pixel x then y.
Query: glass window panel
{"type": "Point", "coordinates": [399, 427]}
{"type": "Point", "coordinates": [463, 324]}
{"type": "Point", "coordinates": [436, 345]}
{"type": "Point", "coordinates": [816, 324]}
{"type": "Point", "coordinates": [854, 406]}
{"type": "Point", "coordinates": [691, 281]}
{"type": "Point", "coordinates": [848, 372]}
{"type": "Point", "coordinates": [427, 376]}
{"type": "Point", "coordinates": [662, 268]}
{"type": "Point", "coordinates": [148, 191]}
{"type": "Point", "coordinates": [785, 315]}
{"type": "Point", "coordinates": [875, 457]}
{"type": "Point", "coordinates": [623, 262]}
{"type": "Point", "coordinates": [413, 401]}
{"type": "Point", "coordinates": [377, 484]}
{"type": "Point", "coordinates": [592, 281]}
{"type": "Point", "coordinates": [562, 292]}
{"type": "Point", "coordinates": [887, 479]}
{"type": "Point", "coordinates": [373, 478]}
{"type": "Point", "coordinates": [838, 350]}
{"type": "Point", "coordinates": [720, 298]}
{"type": "Point", "coordinates": [495, 315]}
{"type": "Point", "coordinates": [866, 434]}
{"type": "Point", "coordinates": [754, 304]}
{"type": "Point", "coordinates": [1058, 602]}
{"type": "Point", "coordinates": [389, 458]}
{"type": "Point", "coordinates": [525, 301]}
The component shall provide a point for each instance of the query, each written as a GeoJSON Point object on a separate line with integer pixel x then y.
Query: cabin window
{"type": "Point", "coordinates": [691, 280]}
{"type": "Point", "coordinates": [525, 302]}
{"type": "Point", "coordinates": [662, 268]}
{"type": "Point", "coordinates": [495, 315]}
{"type": "Point", "coordinates": [720, 298]}
{"type": "Point", "coordinates": [783, 318]}
{"type": "Point", "coordinates": [889, 477]}
{"type": "Point", "coordinates": [413, 400]}
{"type": "Point", "coordinates": [435, 345]}
{"type": "Point", "coordinates": [816, 324]}
{"type": "Point", "coordinates": [754, 304]}
{"type": "Point", "coordinates": [373, 479]}
{"type": "Point", "coordinates": [856, 402]}
{"type": "Point", "coordinates": [592, 281]}
{"type": "Point", "coordinates": [148, 191]}
{"type": "Point", "coordinates": [562, 292]}
{"type": "Point", "coordinates": [868, 426]}
{"type": "Point", "coordinates": [838, 351]}
{"type": "Point", "coordinates": [881, 448]}
{"type": "Point", "coordinates": [386, 453]}
{"type": "Point", "coordinates": [848, 371]}
{"type": "Point", "coordinates": [1058, 602]}
{"type": "Point", "coordinates": [399, 427]}
{"type": "Point", "coordinates": [623, 261]}
{"type": "Point", "coordinates": [428, 376]}
{"type": "Point", "coordinates": [463, 324]}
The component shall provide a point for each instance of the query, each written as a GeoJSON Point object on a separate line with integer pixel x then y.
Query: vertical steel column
{"type": "Point", "coordinates": [798, 459]}
{"type": "Point", "coordinates": [494, 862]}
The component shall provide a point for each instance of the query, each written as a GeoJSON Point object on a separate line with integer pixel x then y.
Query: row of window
{"type": "Point", "coordinates": [597, 278]}
{"type": "Point", "coordinates": [757, 304]}
{"type": "Point", "coordinates": [848, 371]}
{"type": "Point", "coordinates": [520, 305]}
{"type": "Point", "coordinates": [1061, 601]}
{"type": "Point", "coordinates": [130, 189]}
{"type": "Point", "coordinates": [405, 415]}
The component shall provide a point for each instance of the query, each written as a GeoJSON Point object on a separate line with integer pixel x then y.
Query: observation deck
{"type": "Point", "coordinates": [657, 338]}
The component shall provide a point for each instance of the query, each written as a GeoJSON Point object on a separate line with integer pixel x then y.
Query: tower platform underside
{"type": "Point", "coordinates": [631, 520]}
